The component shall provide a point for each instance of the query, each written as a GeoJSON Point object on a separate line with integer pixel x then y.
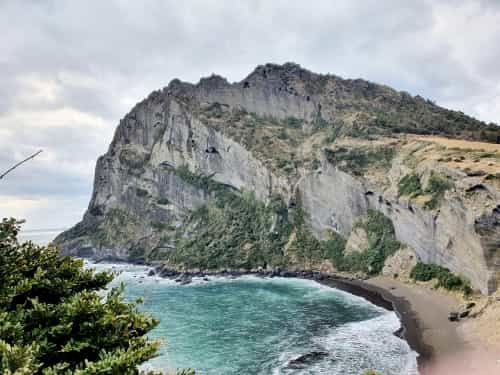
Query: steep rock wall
{"type": "Point", "coordinates": [138, 176]}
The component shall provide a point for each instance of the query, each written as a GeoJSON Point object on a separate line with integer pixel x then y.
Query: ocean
{"type": "Point", "coordinates": [251, 325]}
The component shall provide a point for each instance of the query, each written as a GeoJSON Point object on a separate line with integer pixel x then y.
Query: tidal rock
{"type": "Point", "coordinates": [307, 359]}
{"type": "Point", "coordinates": [453, 316]}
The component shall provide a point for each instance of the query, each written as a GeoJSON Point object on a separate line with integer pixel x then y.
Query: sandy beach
{"type": "Point", "coordinates": [430, 310]}
{"type": "Point", "coordinates": [445, 347]}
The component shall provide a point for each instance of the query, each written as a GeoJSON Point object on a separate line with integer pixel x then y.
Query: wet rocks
{"type": "Point", "coordinates": [463, 312]}
{"type": "Point", "coordinates": [307, 359]}
{"type": "Point", "coordinates": [453, 316]}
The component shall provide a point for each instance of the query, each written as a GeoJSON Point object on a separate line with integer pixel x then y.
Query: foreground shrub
{"type": "Point", "coordinates": [55, 320]}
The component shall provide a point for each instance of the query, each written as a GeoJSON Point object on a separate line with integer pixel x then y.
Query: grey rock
{"type": "Point", "coordinates": [164, 132]}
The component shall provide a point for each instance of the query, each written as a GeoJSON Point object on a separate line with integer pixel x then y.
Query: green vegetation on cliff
{"type": "Point", "coordinates": [358, 160]}
{"type": "Point", "coordinates": [237, 231]}
{"type": "Point", "coordinates": [445, 278]}
{"type": "Point", "coordinates": [233, 231]}
{"type": "Point", "coordinates": [410, 185]}
{"type": "Point", "coordinates": [382, 243]}
{"type": "Point", "coordinates": [437, 185]}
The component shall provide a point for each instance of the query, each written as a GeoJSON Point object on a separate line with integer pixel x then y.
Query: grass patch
{"type": "Point", "coordinates": [200, 181]}
{"type": "Point", "coordinates": [436, 187]}
{"type": "Point", "coordinates": [293, 122]}
{"type": "Point", "coordinates": [410, 185]}
{"type": "Point", "coordinates": [445, 278]}
{"type": "Point", "coordinates": [359, 160]}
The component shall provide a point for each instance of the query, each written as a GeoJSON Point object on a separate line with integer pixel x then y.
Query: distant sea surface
{"type": "Point", "coordinates": [40, 236]}
{"type": "Point", "coordinates": [252, 325]}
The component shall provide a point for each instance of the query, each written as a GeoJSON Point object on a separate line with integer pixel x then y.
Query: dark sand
{"type": "Point", "coordinates": [423, 314]}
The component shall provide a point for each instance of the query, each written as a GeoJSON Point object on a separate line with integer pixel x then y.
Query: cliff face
{"type": "Point", "coordinates": [330, 149]}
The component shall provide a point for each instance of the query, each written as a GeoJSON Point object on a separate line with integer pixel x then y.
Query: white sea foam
{"type": "Point", "coordinates": [374, 338]}
{"type": "Point", "coordinates": [352, 347]}
{"type": "Point", "coordinates": [356, 347]}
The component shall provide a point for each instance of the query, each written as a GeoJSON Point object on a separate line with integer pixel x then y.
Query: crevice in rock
{"type": "Point", "coordinates": [211, 150]}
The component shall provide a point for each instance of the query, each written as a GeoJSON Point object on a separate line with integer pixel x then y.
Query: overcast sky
{"type": "Point", "coordinates": [70, 70]}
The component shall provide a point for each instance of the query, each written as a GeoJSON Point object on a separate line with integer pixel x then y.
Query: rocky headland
{"type": "Point", "coordinates": [291, 172]}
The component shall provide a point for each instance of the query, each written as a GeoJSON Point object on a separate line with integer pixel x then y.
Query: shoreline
{"type": "Point", "coordinates": [423, 313]}
{"type": "Point", "coordinates": [410, 331]}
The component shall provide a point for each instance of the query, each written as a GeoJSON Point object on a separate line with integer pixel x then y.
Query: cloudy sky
{"type": "Point", "coordinates": [70, 70]}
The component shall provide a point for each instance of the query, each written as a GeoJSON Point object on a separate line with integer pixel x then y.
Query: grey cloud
{"type": "Point", "coordinates": [103, 56]}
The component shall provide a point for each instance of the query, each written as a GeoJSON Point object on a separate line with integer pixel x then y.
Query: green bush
{"type": "Point", "coordinates": [293, 122]}
{"type": "Point", "coordinates": [141, 192]}
{"type": "Point", "coordinates": [436, 186]}
{"type": "Point", "coordinates": [445, 278]}
{"type": "Point", "coordinates": [424, 272]}
{"type": "Point", "coordinates": [163, 201]}
{"type": "Point", "coordinates": [54, 319]}
{"type": "Point", "coordinates": [359, 160]}
{"type": "Point", "coordinates": [410, 185]}
{"type": "Point", "coordinates": [283, 134]}
{"type": "Point", "coordinates": [334, 249]}
{"type": "Point", "coordinates": [382, 243]}
{"type": "Point", "coordinates": [233, 231]}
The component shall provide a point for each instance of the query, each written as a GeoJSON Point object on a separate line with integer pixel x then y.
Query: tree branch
{"type": "Point", "coordinates": [18, 164]}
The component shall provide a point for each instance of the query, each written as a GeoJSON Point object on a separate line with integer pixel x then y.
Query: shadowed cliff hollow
{"type": "Point", "coordinates": [295, 170]}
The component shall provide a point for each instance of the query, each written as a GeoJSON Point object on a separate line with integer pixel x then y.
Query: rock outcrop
{"type": "Point", "coordinates": [330, 148]}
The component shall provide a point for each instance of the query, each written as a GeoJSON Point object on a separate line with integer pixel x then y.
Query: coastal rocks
{"type": "Point", "coordinates": [307, 359]}
{"type": "Point", "coordinates": [464, 311]}
{"type": "Point", "coordinates": [401, 263]}
{"type": "Point", "coordinates": [453, 316]}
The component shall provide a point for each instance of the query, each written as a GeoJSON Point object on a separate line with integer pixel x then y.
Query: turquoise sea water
{"type": "Point", "coordinates": [251, 325]}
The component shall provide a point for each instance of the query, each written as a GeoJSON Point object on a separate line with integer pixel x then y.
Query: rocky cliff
{"type": "Point", "coordinates": [278, 169]}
